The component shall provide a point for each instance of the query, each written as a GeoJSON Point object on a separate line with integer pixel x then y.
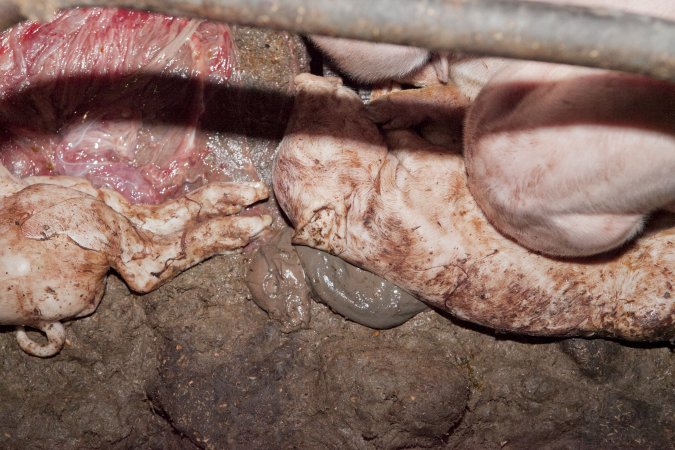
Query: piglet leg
{"type": "Point", "coordinates": [143, 258]}
{"type": "Point", "coordinates": [438, 112]}
{"type": "Point", "coordinates": [403, 109]}
{"type": "Point", "coordinates": [571, 161]}
{"type": "Point", "coordinates": [213, 199]}
{"type": "Point", "coordinates": [186, 231]}
{"type": "Point", "coordinates": [173, 215]}
{"type": "Point", "coordinates": [147, 263]}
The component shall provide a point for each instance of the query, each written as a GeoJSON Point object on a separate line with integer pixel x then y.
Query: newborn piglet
{"type": "Point", "coordinates": [60, 237]}
{"type": "Point", "coordinates": [400, 208]}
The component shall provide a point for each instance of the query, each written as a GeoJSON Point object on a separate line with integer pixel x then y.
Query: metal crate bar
{"type": "Point", "coordinates": [562, 34]}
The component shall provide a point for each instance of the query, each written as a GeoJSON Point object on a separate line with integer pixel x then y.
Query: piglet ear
{"type": "Point", "coordinates": [76, 218]}
{"type": "Point", "coordinates": [325, 230]}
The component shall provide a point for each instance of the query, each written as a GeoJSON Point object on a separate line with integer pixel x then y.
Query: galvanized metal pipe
{"type": "Point", "coordinates": [562, 34]}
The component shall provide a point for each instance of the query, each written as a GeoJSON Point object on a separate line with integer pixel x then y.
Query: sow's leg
{"type": "Point", "coordinates": [570, 161]}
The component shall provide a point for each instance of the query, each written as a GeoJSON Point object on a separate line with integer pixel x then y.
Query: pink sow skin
{"type": "Point", "coordinates": [567, 161]}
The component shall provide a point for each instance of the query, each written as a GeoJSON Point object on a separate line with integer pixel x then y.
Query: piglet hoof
{"type": "Point", "coordinates": [228, 198]}
{"type": "Point", "coordinates": [411, 107]}
{"type": "Point", "coordinates": [56, 336]}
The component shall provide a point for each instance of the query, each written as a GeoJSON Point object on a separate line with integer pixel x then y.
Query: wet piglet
{"type": "Point", "coordinates": [401, 209]}
{"type": "Point", "coordinates": [60, 237]}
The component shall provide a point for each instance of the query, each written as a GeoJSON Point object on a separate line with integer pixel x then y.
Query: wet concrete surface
{"type": "Point", "coordinates": [197, 364]}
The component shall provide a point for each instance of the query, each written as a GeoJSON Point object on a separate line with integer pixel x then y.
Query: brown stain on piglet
{"type": "Point", "coordinates": [427, 235]}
